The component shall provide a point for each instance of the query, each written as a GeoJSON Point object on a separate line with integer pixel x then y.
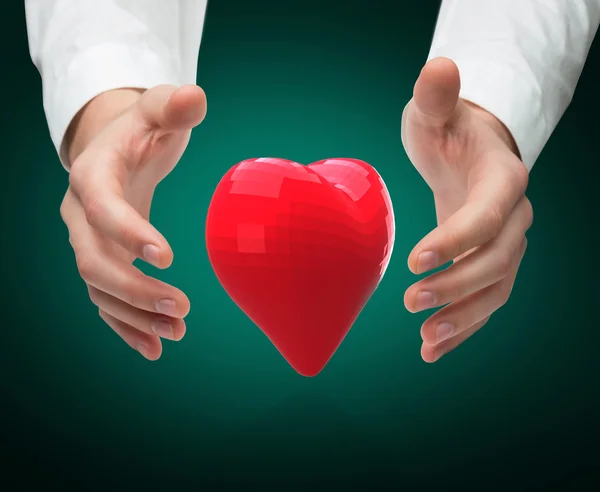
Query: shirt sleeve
{"type": "Point", "coordinates": [85, 47]}
{"type": "Point", "coordinates": [518, 59]}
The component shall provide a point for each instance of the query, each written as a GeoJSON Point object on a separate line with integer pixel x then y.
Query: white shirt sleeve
{"type": "Point", "coordinates": [85, 47]}
{"type": "Point", "coordinates": [518, 59]}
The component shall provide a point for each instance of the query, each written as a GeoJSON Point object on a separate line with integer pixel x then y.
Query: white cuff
{"type": "Point", "coordinates": [511, 98]}
{"type": "Point", "coordinates": [94, 71]}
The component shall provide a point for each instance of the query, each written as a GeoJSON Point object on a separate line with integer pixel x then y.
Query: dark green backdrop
{"type": "Point", "coordinates": [515, 408]}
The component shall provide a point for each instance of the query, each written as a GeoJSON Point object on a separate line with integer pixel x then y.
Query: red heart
{"type": "Point", "coordinates": [301, 249]}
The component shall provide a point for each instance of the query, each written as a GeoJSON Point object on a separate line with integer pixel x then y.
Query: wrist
{"type": "Point", "coordinates": [496, 125]}
{"type": "Point", "coordinates": [95, 116]}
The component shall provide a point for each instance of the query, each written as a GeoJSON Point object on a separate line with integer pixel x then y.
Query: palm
{"type": "Point", "coordinates": [153, 157]}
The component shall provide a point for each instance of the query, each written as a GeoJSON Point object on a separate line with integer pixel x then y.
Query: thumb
{"type": "Point", "coordinates": [436, 91]}
{"type": "Point", "coordinates": [171, 108]}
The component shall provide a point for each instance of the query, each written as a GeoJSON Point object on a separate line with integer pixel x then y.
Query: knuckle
{"type": "Point", "coordinates": [86, 265]}
{"type": "Point", "coordinates": [132, 300]}
{"type": "Point", "coordinates": [503, 264]}
{"type": "Point", "coordinates": [128, 236]}
{"type": "Point", "coordinates": [63, 212]}
{"type": "Point", "coordinates": [504, 295]}
{"type": "Point", "coordinates": [133, 294]}
{"type": "Point", "coordinates": [76, 175]}
{"type": "Point", "coordinates": [528, 213]}
{"type": "Point", "coordinates": [94, 209]}
{"type": "Point", "coordinates": [455, 243]}
{"type": "Point", "coordinates": [454, 291]}
{"type": "Point", "coordinates": [494, 220]}
{"type": "Point", "coordinates": [520, 177]}
{"type": "Point", "coordinates": [94, 295]}
{"type": "Point", "coordinates": [130, 297]}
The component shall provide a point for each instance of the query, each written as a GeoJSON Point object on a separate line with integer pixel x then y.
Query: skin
{"type": "Point", "coordinates": [121, 145]}
{"type": "Point", "coordinates": [124, 142]}
{"type": "Point", "coordinates": [471, 164]}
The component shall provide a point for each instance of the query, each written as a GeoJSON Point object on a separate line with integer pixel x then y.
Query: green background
{"type": "Point", "coordinates": [515, 408]}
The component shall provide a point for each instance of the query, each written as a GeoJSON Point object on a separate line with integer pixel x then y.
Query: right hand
{"type": "Point", "coordinates": [121, 146]}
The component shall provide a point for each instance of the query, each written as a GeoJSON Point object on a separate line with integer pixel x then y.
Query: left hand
{"type": "Point", "coordinates": [471, 164]}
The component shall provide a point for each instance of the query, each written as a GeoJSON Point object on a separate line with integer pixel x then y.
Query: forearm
{"type": "Point", "coordinates": [94, 117]}
{"type": "Point", "coordinates": [519, 60]}
{"type": "Point", "coordinates": [84, 48]}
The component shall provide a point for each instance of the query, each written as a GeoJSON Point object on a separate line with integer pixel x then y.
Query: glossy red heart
{"type": "Point", "coordinates": [301, 249]}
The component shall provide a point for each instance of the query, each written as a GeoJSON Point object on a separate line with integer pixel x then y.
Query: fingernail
{"type": "Point", "coordinates": [142, 348]}
{"type": "Point", "coordinates": [162, 329]}
{"type": "Point", "coordinates": [426, 261]}
{"type": "Point", "coordinates": [444, 331]}
{"type": "Point", "coordinates": [425, 300]}
{"type": "Point", "coordinates": [166, 306]}
{"type": "Point", "coordinates": [151, 253]}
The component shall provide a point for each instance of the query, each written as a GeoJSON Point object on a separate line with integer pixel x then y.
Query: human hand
{"type": "Point", "coordinates": [470, 162]}
{"type": "Point", "coordinates": [121, 145]}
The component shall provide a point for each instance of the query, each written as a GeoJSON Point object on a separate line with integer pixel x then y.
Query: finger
{"type": "Point", "coordinates": [478, 221]}
{"type": "Point", "coordinates": [128, 284]}
{"type": "Point", "coordinates": [149, 346]}
{"type": "Point", "coordinates": [456, 318]}
{"type": "Point", "coordinates": [485, 266]}
{"type": "Point", "coordinates": [149, 323]}
{"type": "Point", "coordinates": [433, 353]}
{"type": "Point", "coordinates": [105, 209]}
{"type": "Point", "coordinates": [436, 92]}
{"type": "Point", "coordinates": [170, 108]}
{"type": "Point", "coordinates": [119, 278]}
